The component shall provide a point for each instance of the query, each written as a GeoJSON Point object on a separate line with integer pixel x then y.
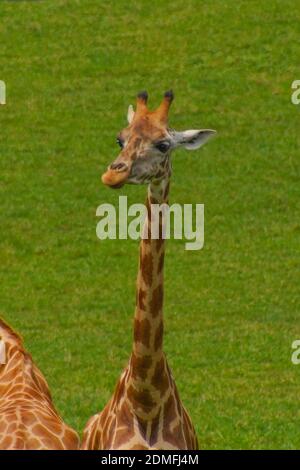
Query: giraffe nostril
{"type": "Point", "coordinates": [119, 167]}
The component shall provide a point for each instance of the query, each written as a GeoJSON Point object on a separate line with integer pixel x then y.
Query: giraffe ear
{"type": "Point", "coordinates": [130, 114]}
{"type": "Point", "coordinates": [192, 139]}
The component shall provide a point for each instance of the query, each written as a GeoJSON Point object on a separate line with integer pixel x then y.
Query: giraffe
{"type": "Point", "coordinates": [145, 411]}
{"type": "Point", "coordinates": [28, 419]}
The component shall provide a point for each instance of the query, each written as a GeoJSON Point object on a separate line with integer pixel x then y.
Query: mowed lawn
{"type": "Point", "coordinates": [232, 309]}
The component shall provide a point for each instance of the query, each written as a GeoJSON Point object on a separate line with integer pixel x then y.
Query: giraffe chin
{"type": "Point", "coordinates": [113, 179]}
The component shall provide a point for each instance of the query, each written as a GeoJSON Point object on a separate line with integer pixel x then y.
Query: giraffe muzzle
{"type": "Point", "coordinates": [116, 175]}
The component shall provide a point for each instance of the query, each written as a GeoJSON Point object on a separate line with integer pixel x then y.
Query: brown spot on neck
{"type": "Point", "coordinates": [159, 336]}
{"type": "Point", "coordinates": [159, 243]}
{"type": "Point", "coordinates": [141, 399]}
{"type": "Point", "coordinates": [156, 301]}
{"type": "Point", "coordinates": [140, 366]}
{"type": "Point", "coordinates": [141, 294]}
{"type": "Point", "coordinates": [142, 331]}
{"type": "Point", "coordinates": [160, 265]}
{"type": "Point", "coordinates": [147, 268]}
{"type": "Point", "coordinates": [160, 378]}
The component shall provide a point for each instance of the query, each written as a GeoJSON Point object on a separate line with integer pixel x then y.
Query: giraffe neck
{"type": "Point", "coordinates": [148, 321]}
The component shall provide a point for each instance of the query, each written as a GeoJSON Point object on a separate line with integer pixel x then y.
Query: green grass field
{"type": "Point", "coordinates": [232, 309]}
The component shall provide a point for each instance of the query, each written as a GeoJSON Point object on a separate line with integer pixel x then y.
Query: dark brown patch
{"type": "Point", "coordinates": [159, 336]}
{"type": "Point", "coordinates": [159, 241]}
{"type": "Point", "coordinates": [142, 331]}
{"type": "Point", "coordinates": [156, 300]}
{"type": "Point", "coordinates": [142, 424]}
{"type": "Point", "coordinates": [160, 379]}
{"type": "Point", "coordinates": [160, 265]}
{"type": "Point", "coordinates": [148, 239]}
{"type": "Point", "coordinates": [141, 397]}
{"type": "Point", "coordinates": [140, 366]}
{"type": "Point", "coordinates": [149, 201]}
{"type": "Point", "coordinates": [154, 429]}
{"type": "Point", "coordinates": [147, 268]}
{"type": "Point", "coordinates": [160, 173]}
{"type": "Point", "coordinates": [140, 299]}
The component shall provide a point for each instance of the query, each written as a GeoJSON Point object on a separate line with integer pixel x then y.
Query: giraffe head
{"type": "Point", "coordinates": [147, 142]}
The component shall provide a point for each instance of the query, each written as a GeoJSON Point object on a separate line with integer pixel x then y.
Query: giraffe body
{"type": "Point", "coordinates": [28, 419]}
{"type": "Point", "coordinates": [145, 411]}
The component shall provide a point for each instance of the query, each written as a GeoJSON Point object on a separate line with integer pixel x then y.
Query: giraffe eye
{"type": "Point", "coordinates": [120, 142]}
{"type": "Point", "coordinates": [163, 146]}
